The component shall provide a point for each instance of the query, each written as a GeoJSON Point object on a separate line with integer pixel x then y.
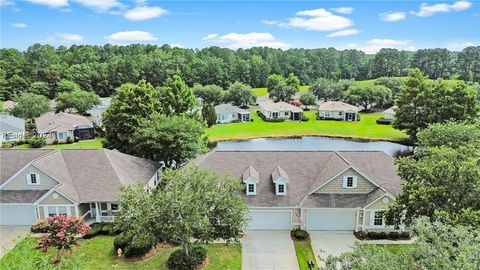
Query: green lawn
{"type": "Point", "coordinates": [367, 128]}
{"type": "Point", "coordinates": [304, 252]}
{"type": "Point", "coordinates": [262, 91]}
{"type": "Point", "coordinates": [450, 82]}
{"type": "Point", "coordinates": [98, 253]}
{"type": "Point", "coordinates": [90, 144]}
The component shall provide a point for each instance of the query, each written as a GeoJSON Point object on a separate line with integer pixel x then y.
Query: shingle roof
{"type": "Point", "coordinates": [307, 170]}
{"type": "Point", "coordinates": [250, 172]}
{"type": "Point", "coordinates": [21, 196]}
{"type": "Point", "coordinates": [12, 160]}
{"type": "Point", "coordinates": [336, 106]}
{"type": "Point", "coordinates": [279, 106]}
{"type": "Point", "coordinates": [9, 123]}
{"type": "Point", "coordinates": [60, 122]}
{"type": "Point", "coordinates": [390, 110]}
{"type": "Point", "coordinates": [86, 174]}
{"type": "Point", "coordinates": [279, 172]}
{"type": "Point", "coordinates": [228, 109]}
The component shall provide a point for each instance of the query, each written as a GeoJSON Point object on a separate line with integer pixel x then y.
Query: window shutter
{"type": "Point", "coordinates": [37, 177]}
{"type": "Point", "coordinates": [344, 182]}
{"type": "Point", "coordinates": [354, 181]}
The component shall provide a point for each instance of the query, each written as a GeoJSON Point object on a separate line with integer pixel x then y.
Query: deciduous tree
{"type": "Point", "coordinates": [240, 94]}
{"type": "Point", "coordinates": [29, 106]}
{"type": "Point", "coordinates": [81, 101]}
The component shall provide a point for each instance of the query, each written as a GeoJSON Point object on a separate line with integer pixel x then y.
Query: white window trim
{"type": "Point", "coordinates": [372, 218]}
{"type": "Point", "coordinates": [354, 183]}
{"type": "Point", "coordinates": [29, 179]}
{"type": "Point", "coordinates": [57, 212]}
{"type": "Point", "coordinates": [254, 189]}
{"type": "Point", "coordinates": [277, 189]}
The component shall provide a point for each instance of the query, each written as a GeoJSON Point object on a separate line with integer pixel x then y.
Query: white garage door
{"type": "Point", "coordinates": [331, 219]}
{"type": "Point", "coordinates": [17, 214]}
{"type": "Point", "coordinates": [270, 220]}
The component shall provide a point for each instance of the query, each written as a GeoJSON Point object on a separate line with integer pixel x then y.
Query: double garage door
{"type": "Point", "coordinates": [270, 220]}
{"type": "Point", "coordinates": [331, 219]}
{"type": "Point", "coordinates": [18, 214]}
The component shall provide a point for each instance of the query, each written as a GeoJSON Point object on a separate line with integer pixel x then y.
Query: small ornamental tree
{"type": "Point", "coordinates": [62, 233]}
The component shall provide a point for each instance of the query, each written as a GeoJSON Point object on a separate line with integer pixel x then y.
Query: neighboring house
{"type": "Point", "coordinates": [60, 126]}
{"type": "Point", "coordinates": [317, 190]}
{"type": "Point", "coordinates": [11, 128]}
{"type": "Point", "coordinates": [97, 111]}
{"type": "Point", "coordinates": [37, 183]}
{"type": "Point", "coordinates": [227, 113]}
{"type": "Point", "coordinates": [262, 99]}
{"type": "Point", "coordinates": [337, 110]}
{"type": "Point", "coordinates": [389, 114]}
{"type": "Point", "coordinates": [281, 110]}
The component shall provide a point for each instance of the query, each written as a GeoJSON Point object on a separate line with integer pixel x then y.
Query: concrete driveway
{"type": "Point", "coordinates": [9, 235]}
{"type": "Point", "coordinates": [333, 243]}
{"type": "Point", "coordinates": [268, 250]}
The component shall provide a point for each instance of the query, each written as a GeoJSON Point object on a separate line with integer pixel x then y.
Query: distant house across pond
{"type": "Point", "coordinates": [281, 110]}
{"type": "Point", "coordinates": [60, 126]}
{"type": "Point", "coordinates": [11, 128]}
{"type": "Point", "coordinates": [389, 114]}
{"type": "Point", "coordinates": [227, 113]}
{"type": "Point", "coordinates": [337, 110]}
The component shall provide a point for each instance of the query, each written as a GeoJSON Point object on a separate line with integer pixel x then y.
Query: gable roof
{"type": "Point", "coordinates": [307, 170]}
{"type": "Point", "coordinates": [279, 172]}
{"type": "Point", "coordinates": [12, 160]}
{"type": "Point", "coordinates": [9, 123]}
{"type": "Point", "coordinates": [390, 110]}
{"type": "Point", "coordinates": [228, 109]}
{"type": "Point", "coordinates": [250, 172]}
{"type": "Point", "coordinates": [85, 174]}
{"type": "Point", "coordinates": [279, 106]}
{"type": "Point", "coordinates": [336, 106]}
{"type": "Point", "coordinates": [60, 122]}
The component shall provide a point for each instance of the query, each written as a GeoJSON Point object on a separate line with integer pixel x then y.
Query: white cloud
{"type": "Point", "coordinates": [100, 5]}
{"type": "Point", "coordinates": [19, 25]}
{"type": "Point", "coordinates": [210, 36]}
{"type": "Point", "coordinates": [50, 3]}
{"type": "Point", "coordinates": [391, 16]}
{"type": "Point", "coordinates": [343, 33]}
{"type": "Point", "coordinates": [248, 40]}
{"type": "Point", "coordinates": [374, 45]}
{"type": "Point", "coordinates": [177, 45]}
{"type": "Point", "coordinates": [144, 13]}
{"type": "Point", "coordinates": [343, 10]}
{"type": "Point", "coordinates": [4, 3]}
{"type": "Point", "coordinates": [63, 38]}
{"type": "Point", "coordinates": [130, 37]}
{"type": "Point", "coordinates": [270, 22]}
{"type": "Point", "coordinates": [428, 10]}
{"type": "Point", "coordinates": [316, 20]}
{"type": "Point", "coordinates": [458, 46]}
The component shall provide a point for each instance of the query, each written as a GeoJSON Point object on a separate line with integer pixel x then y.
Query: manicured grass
{"type": "Point", "coordinates": [90, 144]}
{"type": "Point", "coordinates": [367, 128]}
{"type": "Point", "coordinates": [304, 252]}
{"type": "Point", "coordinates": [98, 253]}
{"type": "Point", "coordinates": [262, 91]}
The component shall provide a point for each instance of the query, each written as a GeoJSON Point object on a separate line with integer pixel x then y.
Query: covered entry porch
{"type": "Point", "coordinates": [98, 211]}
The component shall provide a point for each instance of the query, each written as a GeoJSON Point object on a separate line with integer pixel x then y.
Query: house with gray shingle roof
{"type": "Point", "coordinates": [227, 113]}
{"type": "Point", "coordinates": [60, 126]}
{"type": "Point", "coordinates": [280, 109]}
{"type": "Point", "coordinates": [317, 190]}
{"type": "Point", "coordinates": [11, 128]}
{"type": "Point", "coordinates": [337, 110]}
{"type": "Point", "coordinates": [37, 183]}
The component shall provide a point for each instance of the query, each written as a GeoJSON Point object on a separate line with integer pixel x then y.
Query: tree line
{"type": "Point", "coordinates": [46, 70]}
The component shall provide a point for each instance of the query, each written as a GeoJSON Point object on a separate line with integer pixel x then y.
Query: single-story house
{"type": "Point", "coordinates": [11, 128]}
{"type": "Point", "coordinates": [316, 190]}
{"type": "Point", "coordinates": [389, 114]}
{"type": "Point", "coordinates": [281, 110]}
{"type": "Point", "coordinates": [337, 110]}
{"type": "Point", "coordinates": [60, 126]}
{"type": "Point", "coordinates": [227, 113]}
{"type": "Point", "coordinates": [37, 183]}
{"type": "Point", "coordinates": [97, 111]}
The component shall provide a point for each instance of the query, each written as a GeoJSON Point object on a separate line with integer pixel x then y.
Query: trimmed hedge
{"type": "Point", "coordinates": [179, 261]}
{"type": "Point", "coordinates": [95, 230]}
{"type": "Point", "coordinates": [138, 247]}
{"type": "Point", "coordinates": [273, 120]}
{"type": "Point", "coordinates": [383, 121]}
{"type": "Point", "coordinates": [300, 234]}
{"type": "Point", "coordinates": [305, 119]}
{"type": "Point", "coordinates": [372, 235]}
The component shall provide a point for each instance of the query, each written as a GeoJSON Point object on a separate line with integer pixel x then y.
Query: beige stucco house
{"type": "Point", "coordinates": [337, 110]}
{"type": "Point", "coordinates": [280, 110]}
{"type": "Point", "coordinates": [37, 183]}
{"type": "Point", "coordinates": [315, 190]}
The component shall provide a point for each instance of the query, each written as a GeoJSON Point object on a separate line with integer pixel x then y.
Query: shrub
{"type": "Point", "coordinates": [39, 227]}
{"type": "Point", "coordinates": [121, 241]}
{"type": "Point", "coordinates": [300, 234]}
{"type": "Point", "coordinates": [138, 247]}
{"type": "Point", "coordinates": [305, 119]}
{"type": "Point", "coordinates": [107, 229]}
{"type": "Point", "coordinates": [69, 140]}
{"type": "Point", "coordinates": [179, 261]}
{"type": "Point", "coordinates": [383, 121]}
{"type": "Point", "coordinates": [377, 235]}
{"type": "Point", "coordinates": [55, 142]}
{"type": "Point", "coordinates": [251, 119]}
{"type": "Point", "coordinates": [96, 228]}
{"type": "Point", "coordinates": [393, 235]}
{"type": "Point", "coordinates": [37, 141]}
{"type": "Point", "coordinates": [405, 235]}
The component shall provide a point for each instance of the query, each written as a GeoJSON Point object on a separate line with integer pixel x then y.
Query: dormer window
{"type": "Point", "coordinates": [349, 181]}
{"type": "Point", "coordinates": [33, 179]}
{"type": "Point", "coordinates": [250, 178]}
{"type": "Point", "coordinates": [280, 179]}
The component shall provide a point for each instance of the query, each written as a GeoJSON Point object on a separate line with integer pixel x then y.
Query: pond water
{"type": "Point", "coordinates": [313, 143]}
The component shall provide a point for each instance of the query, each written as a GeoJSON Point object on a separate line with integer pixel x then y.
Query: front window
{"type": "Point", "coordinates": [378, 218]}
{"type": "Point", "coordinates": [62, 135]}
{"type": "Point", "coordinates": [52, 211]}
{"type": "Point", "coordinates": [114, 207]}
{"type": "Point", "coordinates": [281, 189]}
{"type": "Point", "coordinates": [274, 114]}
{"type": "Point", "coordinates": [327, 114]}
{"type": "Point", "coordinates": [251, 188]}
{"type": "Point", "coordinates": [350, 181]}
{"type": "Point", "coordinates": [33, 179]}
{"type": "Point", "coordinates": [62, 210]}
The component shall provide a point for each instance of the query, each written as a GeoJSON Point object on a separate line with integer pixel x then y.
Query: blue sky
{"type": "Point", "coordinates": [365, 25]}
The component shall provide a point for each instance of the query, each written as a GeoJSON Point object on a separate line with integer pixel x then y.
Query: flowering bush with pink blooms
{"type": "Point", "coordinates": [62, 232]}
